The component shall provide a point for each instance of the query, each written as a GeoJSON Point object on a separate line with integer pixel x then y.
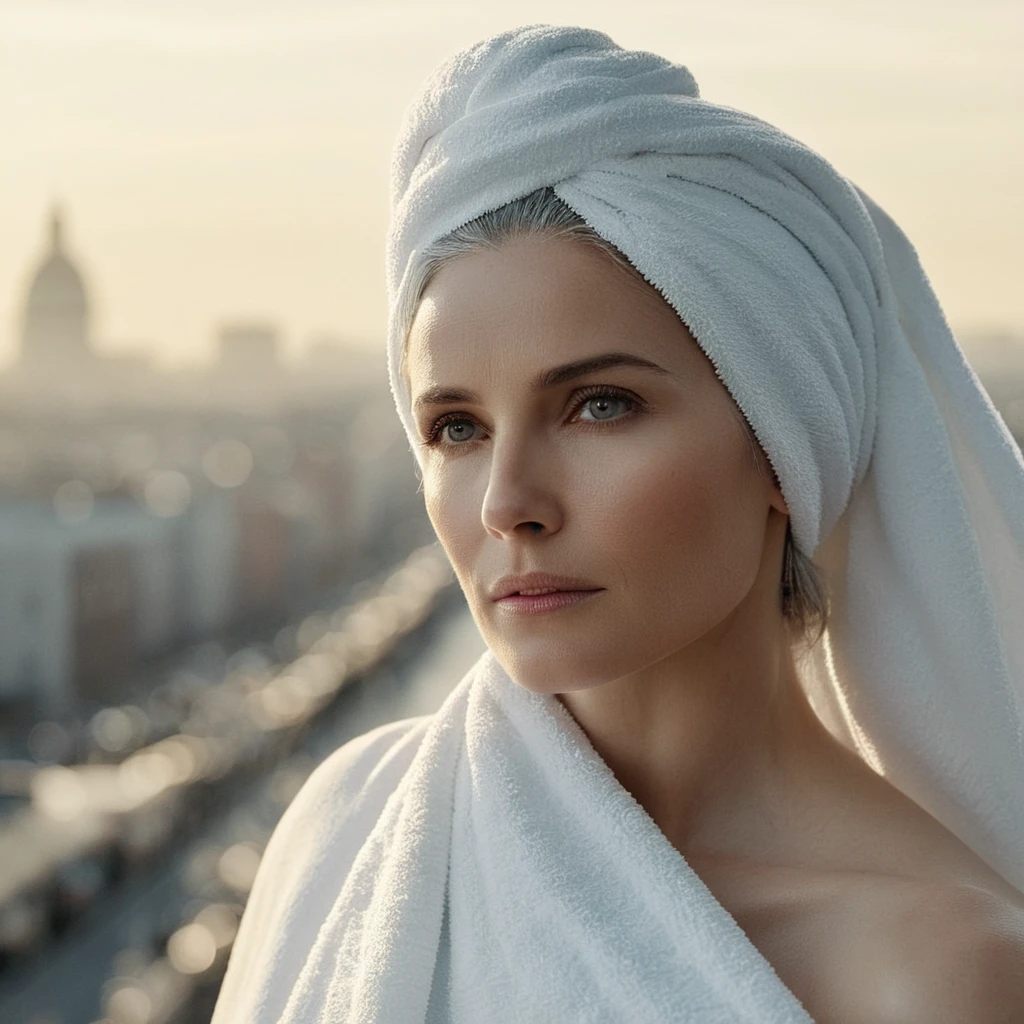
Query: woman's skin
{"type": "Point", "coordinates": [680, 671]}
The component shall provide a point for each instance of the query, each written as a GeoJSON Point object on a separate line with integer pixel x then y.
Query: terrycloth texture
{"type": "Point", "coordinates": [508, 878]}
{"type": "Point", "coordinates": [901, 478]}
{"type": "Point", "coordinates": [304, 865]}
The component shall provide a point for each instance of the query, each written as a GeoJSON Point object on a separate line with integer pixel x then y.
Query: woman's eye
{"type": "Point", "coordinates": [601, 403]}
{"type": "Point", "coordinates": [459, 435]}
{"type": "Point", "coordinates": [454, 430]}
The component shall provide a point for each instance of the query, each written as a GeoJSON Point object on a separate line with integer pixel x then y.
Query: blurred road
{"type": "Point", "coordinates": [63, 986]}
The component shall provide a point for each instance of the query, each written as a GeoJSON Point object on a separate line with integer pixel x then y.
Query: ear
{"type": "Point", "coordinates": [777, 498]}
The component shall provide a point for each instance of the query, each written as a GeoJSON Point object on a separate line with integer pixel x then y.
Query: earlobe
{"type": "Point", "coordinates": [778, 500]}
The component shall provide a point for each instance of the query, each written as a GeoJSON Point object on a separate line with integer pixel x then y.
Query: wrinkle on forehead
{"type": "Point", "coordinates": [509, 304]}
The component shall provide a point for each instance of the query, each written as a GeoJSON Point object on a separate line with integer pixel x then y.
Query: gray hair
{"type": "Point", "coordinates": [805, 605]}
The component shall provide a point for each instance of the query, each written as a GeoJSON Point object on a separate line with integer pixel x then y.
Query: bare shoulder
{"type": "Point", "coordinates": [877, 947]}
{"type": "Point", "coordinates": [937, 953]}
{"type": "Point", "coordinates": [972, 967]}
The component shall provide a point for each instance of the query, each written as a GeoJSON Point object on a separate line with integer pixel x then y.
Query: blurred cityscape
{"type": "Point", "coordinates": [209, 579]}
{"type": "Point", "coordinates": [194, 565]}
{"type": "Point", "coordinates": [142, 509]}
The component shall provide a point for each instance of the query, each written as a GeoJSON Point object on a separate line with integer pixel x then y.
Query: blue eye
{"type": "Point", "coordinates": [604, 398]}
{"type": "Point", "coordinates": [593, 394]}
{"type": "Point", "coordinates": [443, 424]}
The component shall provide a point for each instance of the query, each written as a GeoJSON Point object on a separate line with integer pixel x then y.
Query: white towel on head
{"type": "Point", "coordinates": [484, 864]}
{"type": "Point", "coordinates": [902, 480]}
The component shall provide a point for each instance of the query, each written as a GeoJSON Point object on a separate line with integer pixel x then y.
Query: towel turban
{"type": "Point", "coordinates": [902, 480]}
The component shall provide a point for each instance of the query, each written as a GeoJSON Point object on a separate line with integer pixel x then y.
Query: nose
{"type": "Point", "coordinates": [521, 497]}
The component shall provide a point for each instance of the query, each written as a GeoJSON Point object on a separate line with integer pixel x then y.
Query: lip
{"type": "Point", "coordinates": [535, 581]}
{"type": "Point", "coordinates": [539, 603]}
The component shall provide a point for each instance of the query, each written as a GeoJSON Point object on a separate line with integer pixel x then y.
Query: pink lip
{"type": "Point", "coordinates": [532, 604]}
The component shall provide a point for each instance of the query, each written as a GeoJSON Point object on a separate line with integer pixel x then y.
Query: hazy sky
{"type": "Point", "coordinates": [228, 159]}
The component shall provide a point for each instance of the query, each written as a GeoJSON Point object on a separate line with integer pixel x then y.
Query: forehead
{"type": "Point", "coordinates": [532, 303]}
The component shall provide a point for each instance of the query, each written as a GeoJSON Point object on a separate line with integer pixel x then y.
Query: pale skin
{"type": "Point", "coordinates": [681, 671]}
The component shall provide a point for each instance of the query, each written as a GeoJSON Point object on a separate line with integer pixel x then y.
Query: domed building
{"type": "Point", "coordinates": [55, 334]}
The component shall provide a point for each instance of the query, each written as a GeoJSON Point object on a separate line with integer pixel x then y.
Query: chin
{"type": "Point", "coordinates": [551, 679]}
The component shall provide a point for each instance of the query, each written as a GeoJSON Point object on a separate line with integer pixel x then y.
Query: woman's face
{"type": "Point", "coordinates": [639, 481]}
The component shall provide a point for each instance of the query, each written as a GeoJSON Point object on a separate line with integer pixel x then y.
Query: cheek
{"type": "Point", "coordinates": [455, 516]}
{"type": "Point", "coordinates": [439, 500]}
{"type": "Point", "coordinates": [680, 523]}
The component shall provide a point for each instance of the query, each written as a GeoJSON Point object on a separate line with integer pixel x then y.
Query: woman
{"type": "Point", "coordinates": [761, 757]}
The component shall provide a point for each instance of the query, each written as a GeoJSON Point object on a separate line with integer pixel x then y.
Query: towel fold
{"type": "Point", "coordinates": [508, 878]}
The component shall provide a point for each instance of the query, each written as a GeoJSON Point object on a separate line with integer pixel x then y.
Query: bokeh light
{"type": "Point", "coordinates": [228, 463]}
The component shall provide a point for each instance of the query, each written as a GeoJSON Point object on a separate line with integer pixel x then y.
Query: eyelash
{"type": "Point", "coordinates": [634, 403]}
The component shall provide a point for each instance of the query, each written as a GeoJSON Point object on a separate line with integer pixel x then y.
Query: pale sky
{"type": "Point", "coordinates": [228, 159]}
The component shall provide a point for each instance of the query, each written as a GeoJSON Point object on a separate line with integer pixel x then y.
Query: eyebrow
{"type": "Point", "coordinates": [442, 395]}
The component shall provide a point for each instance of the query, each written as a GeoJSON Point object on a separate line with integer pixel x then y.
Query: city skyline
{"type": "Point", "coordinates": [56, 341]}
{"type": "Point", "coordinates": [220, 162]}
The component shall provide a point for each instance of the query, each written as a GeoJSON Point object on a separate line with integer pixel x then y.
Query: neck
{"type": "Point", "coordinates": [718, 742]}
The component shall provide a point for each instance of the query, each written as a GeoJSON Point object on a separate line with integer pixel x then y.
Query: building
{"type": "Point", "coordinates": [70, 605]}
{"type": "Point", "coordinates": [83, 602]}
{"type": "Point", "coordinates": [56, 328]}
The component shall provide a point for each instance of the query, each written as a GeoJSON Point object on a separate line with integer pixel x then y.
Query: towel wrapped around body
{"type": "Point", "coordinates": [508, 878]}
{"type": "Point", "coordinates": [483, 864]}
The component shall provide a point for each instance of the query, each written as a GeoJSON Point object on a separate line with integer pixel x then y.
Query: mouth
{"type": "Point", "coordinates": [539, 584]}
{"type": "Point", "coordinates": [548, 590]}
{"type": "Point", "coordinates": [548, 600]}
